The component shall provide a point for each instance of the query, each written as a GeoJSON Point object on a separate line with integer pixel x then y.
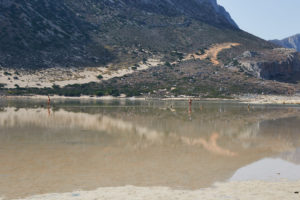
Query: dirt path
{"type": "Point", "coordinates": [212, 52]}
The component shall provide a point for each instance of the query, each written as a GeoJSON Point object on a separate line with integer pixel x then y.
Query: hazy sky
{"type": "Point", "coordinates": [268, 19]}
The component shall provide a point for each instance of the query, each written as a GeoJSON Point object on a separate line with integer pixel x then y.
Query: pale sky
{"type": "Point", "coordinates": [268, 19]}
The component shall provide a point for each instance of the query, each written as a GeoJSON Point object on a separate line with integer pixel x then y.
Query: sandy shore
{"type": "Point", "coordinates": [249, 99]}
{"type": "Point", "coordinates": [122, 97]}
{"type": "Point", "coordinates": [269, 99]}
{"type": "Point", "coordinates": [57, 97]}
{"type": "Point", "coordinates": [248, 190]}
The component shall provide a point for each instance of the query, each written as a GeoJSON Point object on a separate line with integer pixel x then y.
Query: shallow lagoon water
{"type": "Point", "coordinates": [85, 145]}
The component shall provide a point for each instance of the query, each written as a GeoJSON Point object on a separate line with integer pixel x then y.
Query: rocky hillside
{"type": "Point", "coordinates": [73, 33]}
{"type": "Point", "coordinates": [136, 47]}
{"type": "Point", "coordinates": [292, 42]}
{"type": "Point", "coordinates": [36, 34]}
{"type": "Point", "coordinates": [278, 64]}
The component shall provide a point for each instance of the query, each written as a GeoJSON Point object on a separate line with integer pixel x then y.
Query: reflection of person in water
{"type": "Point", "coordinates": [49, 111]}
{"type": "Point", "coordinates": [210, 145]}
{"type": "Point", "coordinates": [190, 108]}
{"type": "Point", "coordinates": [49, 101]}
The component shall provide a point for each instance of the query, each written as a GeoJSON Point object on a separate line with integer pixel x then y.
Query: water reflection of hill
{"type": "Point", "coordinates": [85, 147]}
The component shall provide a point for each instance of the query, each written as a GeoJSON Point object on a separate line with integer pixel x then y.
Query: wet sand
{"type": "Point", "coordinates": [270, 99]}
{"type": "Point", "coordinates": [223, 191]}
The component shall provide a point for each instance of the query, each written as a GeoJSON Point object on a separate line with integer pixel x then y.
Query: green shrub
{"type": "Point", "coordinates": [2, 85]}
{"type": "Point", "coordinates": [114, 93]}
{"type": "Point", "coordinates": [235, 63]}
{"type": "Point", "coordinates": [168, 64]}
{"type": "Point", "coordinates": [7, 74]}
{"type": "Point", "coordinates": [55, 87]}
{"type": "Point", "coordinates": [100, 77]}
{"type": "Point", "coordinates": [99, 93]}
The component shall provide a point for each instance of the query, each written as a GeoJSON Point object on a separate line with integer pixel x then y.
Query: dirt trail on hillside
{"type": "Point", "coordinates": [212, 52]}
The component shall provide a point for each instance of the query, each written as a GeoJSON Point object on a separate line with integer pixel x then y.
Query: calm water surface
{"type": "Point", "coordinates": [75, 145]}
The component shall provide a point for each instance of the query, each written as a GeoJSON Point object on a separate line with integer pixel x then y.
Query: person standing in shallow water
{"type": "Point", "coordinates": [190, 105]}
{"type": "Point", "coordinates": [49, 100]}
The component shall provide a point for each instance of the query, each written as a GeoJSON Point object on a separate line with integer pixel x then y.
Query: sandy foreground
{"type": "Point", "coordinates": [247, 190]}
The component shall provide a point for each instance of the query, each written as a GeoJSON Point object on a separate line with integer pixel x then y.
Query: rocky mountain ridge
{"type": "Point", "coordinates": [137, 47]}
{"type": "Point", "coordinates": [197, 9]}
{"type": "Point", "coordinates": [64, 33]}
{"type": "Point", "coordinates": [292, 42]}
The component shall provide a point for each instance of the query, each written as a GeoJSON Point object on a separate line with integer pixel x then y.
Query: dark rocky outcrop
{"type": "Point", "coordinates": [278, 64]}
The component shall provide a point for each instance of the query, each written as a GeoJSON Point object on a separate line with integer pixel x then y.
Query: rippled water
{"type": "Point", "coordinates": [76, 145]}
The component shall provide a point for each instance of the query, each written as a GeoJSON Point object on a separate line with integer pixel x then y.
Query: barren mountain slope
{"type": "Point", "coordinates": [136, 47]}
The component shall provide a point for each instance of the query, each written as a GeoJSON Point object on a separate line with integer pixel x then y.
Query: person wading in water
{"type": "Point", "coordinates": [49, 100]}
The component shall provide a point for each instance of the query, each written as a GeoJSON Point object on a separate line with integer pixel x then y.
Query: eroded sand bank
{"type": "Point", "coordinates": [66, 76]}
